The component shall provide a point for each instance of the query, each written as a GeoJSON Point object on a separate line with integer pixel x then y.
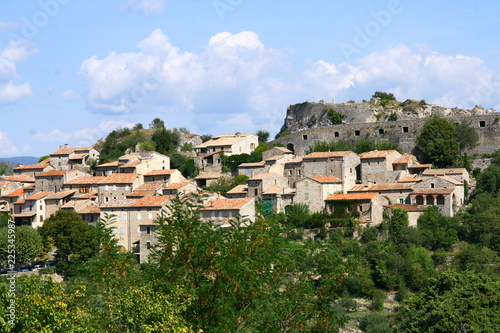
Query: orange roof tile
{"type": "Point", "coordinates": [120, 178]}
{"type": "Point", "coordinates": [405, 159]}
{"type": "Point", "coordinates": [382, 187]}
{"type": "Point", "coordinates": [409, 179]}
{"type": "Point", "coordinates": [252, 165]}
{"type": "Point", "coordinates": [160, 172]}
{"type": "Point", "coordinates": [149, 201]}
{"type": "Point", "coordinates": [60, 195]}
{"type": "Point", "coordinates": [326, 154]}
{"type": "Point", "coordinates": [295, 160]}
{"type": "Point", "coordinates": [119, 203]}
{"type": "Point", "coordinates": [24, 215]}
{"type": "Point", "coordinates": [86, 180]}
{"type": "Point", "coordinates": [444, 172]}
{"type": "Point", "coordinates": [325, 179]}
{"type": "Point", "coordinates": [283, 149]}
{"type": "Point", "coordinates": [451, 180]}
{"type": "Point", "coordinates": [278, 190]}
{"type": "Point", "coordinates": [90, 195]}
{"type": "Point", "coordinates": [209, 175]}
{"type": "Point", "coordinates": [145, 189]}
{"type": "Point", "coordinates": [352, 196]}
{"type": "Point", "coordinates": [68, 150]}
{"type": "Point", "coordinates": [53, 173]}
{"type": "Point", "coordinates": [13, 194]}
{"type": "Point", "coordinates": [78, 156]}
{"type": "Point", "coordinates": [262, 175]}
{"type": "Point", "coordinates": [131, 164]}
{"type": "Point", "coordinates": [32, 167]}
{"type": "Point", "coordinates": [110, 164]}
{"type": "Point", "coordinates": [90, 209]}
{"type": "Point", "coordinates": [227, 204]}
{"type": "Point", "coordinates": [39, 195]}
{"type": "Point", "coordinates": [239, 189]}
{"type": "Point", "coordinates": [20, 178]}
{"type": "Point", "coordinates": [420, 166]}
{"type": "Point", "coordinates": [176, 186]}
{"type": "Point", "coordinates": [376, 154]}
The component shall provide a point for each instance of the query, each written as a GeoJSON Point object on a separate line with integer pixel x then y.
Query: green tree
{"type": "Point", "coordinates": [137, 127]}
{"type": "Point", "coordinates": [184, 164]}
{"type": "Point", "coordinates": [384, 97]}
{"type": "Point", "coordinates": [437, 142]}
{"type": "Point", "coordinates": [157, 123]}
{"type": "Point", "coordinates": [392, 117]}
{"type": "Point", "coordinates": [147, 145]}
{"type": "Point", "coordinates": [43, 158]}
{"type": "Point", "coordinates": [28, 244]}
{"type": "Point", "coordinates": [205, 137]}
{"type": "Point", "coordinates": [335, 117]}
{"type": "Point", "coordinates": [256, 155]}
{"type": "Point", "coordinates": [363, 146]}
{"type": "Point", "coordinates": [72, 237]}
{"type": "Point", "coordinates": [263, 135]}
{"type": "Point", "coordinates": [6, 168]}
{"type": "Point", "coordinates": [165, 141]}
{"type": "Point", "coordinates": [334, 145]}
{"type": "Point", "coordinates": [467, 136]}
{"type": "Point", "coordinates": [387, 145]}
{"type": "Point", "coordinates": [453, 302]}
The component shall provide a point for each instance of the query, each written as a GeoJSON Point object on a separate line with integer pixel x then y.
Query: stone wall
{"type": "Point", "coordinates": [402, 132]}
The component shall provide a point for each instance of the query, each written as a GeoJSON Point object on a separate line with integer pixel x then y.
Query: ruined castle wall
{"type": "Point", "coordinates": [402, 132]}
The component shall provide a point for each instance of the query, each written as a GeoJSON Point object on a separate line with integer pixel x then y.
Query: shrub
{"type": "Point", "coordinates": [393, 117]}
{"type": "Point", "coordinates": [378, 299]}
{"type": "Point", "coordinates": [374, 323]}
{"type": "Point", "coordinates": [335, 117]}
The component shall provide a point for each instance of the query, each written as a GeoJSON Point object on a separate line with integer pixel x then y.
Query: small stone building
{"type": "Point", "coordinates": [314, 190]}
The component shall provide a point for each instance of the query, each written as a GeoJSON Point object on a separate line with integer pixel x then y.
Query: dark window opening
{"type": "Point", "coordinates": [482, 123]}
{"type": "Point", "coordinates": [405, 129]}
{"type": "Point", "coordinates": [304, 137]}
{"type": "Point", "coordinates": [357, 133]}
{"type": "Point", "coordinates": [336, 134]}
{"type": "Point", "coordinates": [381, 131]}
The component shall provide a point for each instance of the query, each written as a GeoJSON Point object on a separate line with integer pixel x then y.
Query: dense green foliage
{"type": "Point", "coordinates": [335, 117]}
{"type": "Point", "coordinates": [467, 136]}
{"type": "Point", "coordinates": [6, 168]}
{"type": "Point", "coordinates": [437, 142]}
{"type": "Point", "coordinates": [28, 244]}
{"type": "Point", "coordinates": [263, 135]}
{"type": "Point", "coordinates": [384, 97]}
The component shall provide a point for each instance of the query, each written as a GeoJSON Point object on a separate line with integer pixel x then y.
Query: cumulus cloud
{"type": "Point", "coordinates": [236, 75]}
{"type": "Point", "coordinates": [10, 92]}
{"type": "Point", "coordinates": [6, 146]}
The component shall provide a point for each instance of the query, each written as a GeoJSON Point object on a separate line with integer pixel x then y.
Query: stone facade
{"type": "Point", "coordinates": [54, 180]}
{"type": "Point", "coordinates": [377, 167]}
{"type": "Point", "coordinates": [263, 182]}
{"type": "Point", "coordinates": [313, 191]}
{"type": "Point", "coordinates": [221, 211]}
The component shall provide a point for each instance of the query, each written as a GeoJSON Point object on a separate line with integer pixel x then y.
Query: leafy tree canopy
{"type": "Point", "coordinates": [335, 117]}
{"type": "Point", "coordinates": [263, 135]}
{"type": "Point", "coordinates": [437, 142]}
{"type": "Point", "coordinates": [467, 136]}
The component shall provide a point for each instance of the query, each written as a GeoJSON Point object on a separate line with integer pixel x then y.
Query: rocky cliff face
{"type": "Point", "coordinates": [308, 115]}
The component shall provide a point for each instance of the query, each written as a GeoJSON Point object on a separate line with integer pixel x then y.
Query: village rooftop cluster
{"type": "Point", "coordinates": [138, 186]}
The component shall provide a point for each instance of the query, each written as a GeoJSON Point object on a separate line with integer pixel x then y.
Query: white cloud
{"type": "Point", "coordinates": [237, 74]}
{"type": "Point", "coordinates": [54, 136]}
{"type": "Point", "coordinates": [146, 6]}
{"type": "Point", "coordinates": [10, 92]}
{"type": "Point", "coordinates": [7, 26]}
{"type": "Point", "coordinates": [6, 146]}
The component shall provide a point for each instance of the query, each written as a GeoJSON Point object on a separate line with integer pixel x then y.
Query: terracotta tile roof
{"type": "Point", "coordinates": [326, 154]}
{"type": "Point", "coordinates": [53, 173]}
{"type": "Point", "coordinates": [408, 208]}
{"type": "Point", "coordinates": [29, 187]}
{"type": "Point", "coordinates": [352, 196]}
{"type": "Point", "coordinates": [325, 179]}
{"type": "Point", "coordinates": [160, 172]}
{"type": "Point", "coordinates": [120, 178]}
{"type": "Point", "coordinates": [252, 165]}
{"type": "Point", "coordinates": [90, 209]}
{"type": "Point", "coordinates": [275, 158]}
{"type": "Point", "coordinates": [60, 195]}
{"type": "Point", "coordinates": [39, 195]}
{"type": "Point", "coordinates": [223, 140]}
{"type": "Point", "coordinates": [444, 172]}
{"type": "Point", "coordinates": [376, 154]}
{"type": "Point", "coordinates": [278, 190]}
{"type": "Point", "coordinates": [239, 189]}
{"type": "Point", "coordinates": [410, 179]}
{"type": "Point", "coordinates": [32, 167]}
{"type": "Point", "coordinates": [209, 175]}
{"type": "Point", "coordinates": [19, 178]}
{"type": "Point", "coordinates": [176, 186]}
{"type": "Point", "coordinates": [68, 150]}
{"type": "Point", "coordinates": [107, 165]}
{"type": "Point", "coordinates": [78, 156]}
{"type": "Point", "coordinates": [24, 215]}
{"type": "Point", "coordinates": [433, 191]}
{"type": "Point", "coordinates": [420, 166]}
{"type": "Point", "coordinates": [227, 204]}
{"type": "Point", "coordinates": [145, 189]}
{"type": "Point", "coordinates": [283, 149]}
{"type": "Point", "coordinates": [13, 194]}
{"type": "Point", "coordinates": [86, 180]}
{"type": "Point", "coordinates": [20, 202]}
{"type": "Point", "coordinates": [149, 201]}
{"type": "Point", "coordinates": [405, 159]}
{"type": "Point", "coordinates": [451, 180]}
{"type": "Point", "coordinates": [382, 187]}
{"type": "Point", "coordinates": [118, 203]}
{"type": "Point", "coordinates": [295, 160]}
{"type": "Point", "coordinates": [131, 164]}
{"type": "Point", "coordinates": [262, 175]}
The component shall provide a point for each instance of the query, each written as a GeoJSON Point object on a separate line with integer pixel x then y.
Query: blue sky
{"type": "Point", "coordinates": [72, 70]}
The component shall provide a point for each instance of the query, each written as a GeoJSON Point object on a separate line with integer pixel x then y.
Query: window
{"type": "Point", "coordinates": [381, 131]}
{"type": "Point", "coordinates": [256, 192]}
{"type": "Point", "coordinates": [357, 133]}
{"type": "Point", "coordinates": [41, 207]}
{"type": "Point", "coordinates": [150, 216]}
{"type": "Point", "coordinates": [440, 200]}
{"type": "Point", "coordinates": [405, 129]}
{"type": "Point", "coordinates": [361, 209]}
{"type": "Point", "coordinates": [401, 200]}
{"type": "Point", "coordinates": [482, 123]}
{"type": "Point", "coordinates": [114, 187]}
{"type": "Point", "coordinates": [307, 196]}
{"type": "Point", "coordinates": [298, 172]}
{"type": "Point", "coordinates": [337, 134]}
{"type": "Point", "coordinates": [122, 230]}
{"type": "Point", "coordinates": [148, 230]}
{"type": "Point", "coordinates": [106, 188]}
{"type": "Point", "coordinates": [122, 217]}
{"type": "Point", "coordinates": [41, 218]}
{"type": "Point", "coordinates": [139, 217]}
{"type": "Point", "coordinates": [429, 200]}
{"type": "Point", "coordinates": [432, 185]}
{"type": "Point", "coordinates": [419, 200]}
{"type": "Point", "coordinates": [148, 245]}
{"type": "Point", "coordinates": [304, 137]}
